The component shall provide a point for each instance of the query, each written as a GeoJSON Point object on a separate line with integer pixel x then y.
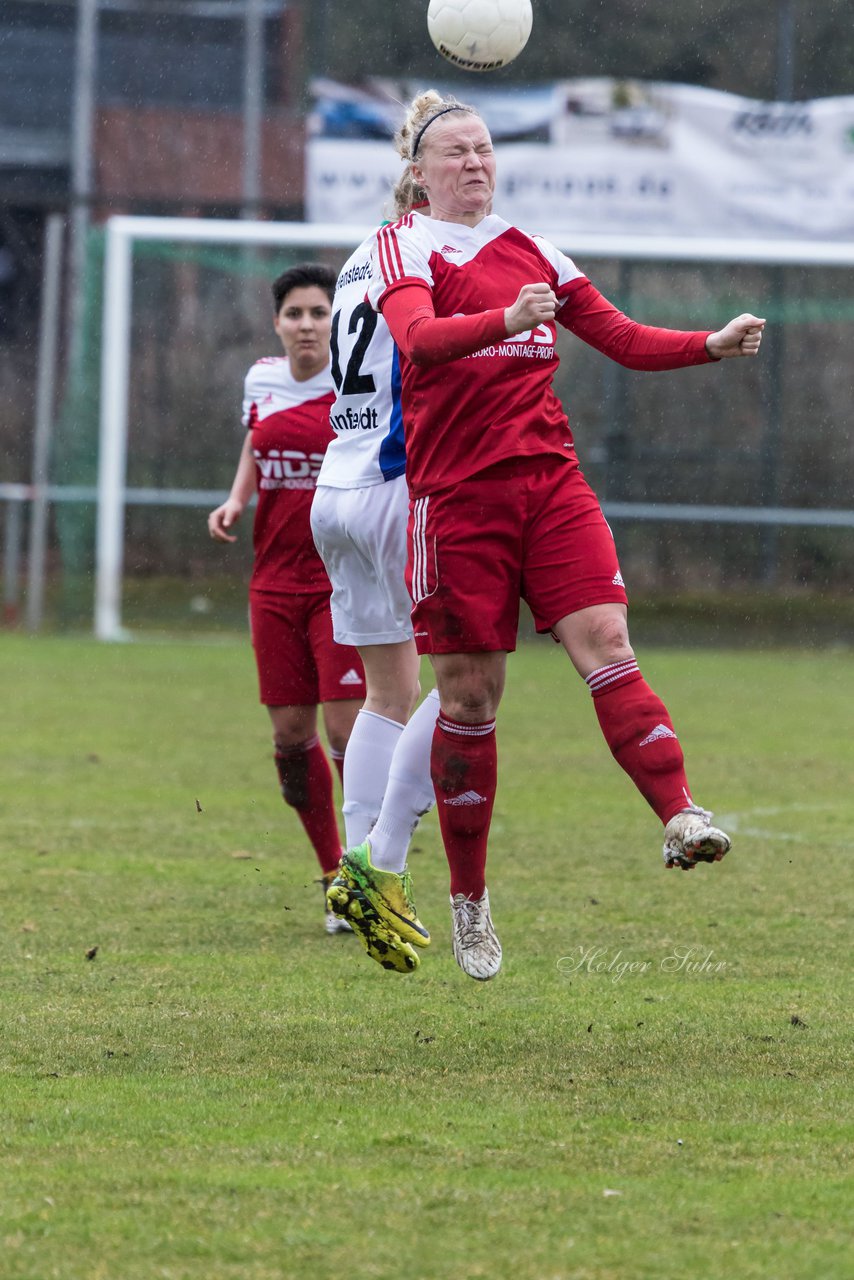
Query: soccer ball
{"type": "Point", "coordinates": [479, 35]}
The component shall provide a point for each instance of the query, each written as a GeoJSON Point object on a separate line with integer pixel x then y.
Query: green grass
{"type": "Point", "coordinates": [225, 1093]}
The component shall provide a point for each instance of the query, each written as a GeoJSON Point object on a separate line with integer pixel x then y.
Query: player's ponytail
{"type": "Point", "coordinates": [421, 112]}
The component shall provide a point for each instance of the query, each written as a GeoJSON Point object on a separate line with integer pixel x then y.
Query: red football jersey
{"type": "Point", "coordinates": [289, 422]}
{"type": "Point", "coordinates": [466, 414]}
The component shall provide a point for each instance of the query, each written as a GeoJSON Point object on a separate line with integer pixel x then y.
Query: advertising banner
{"type": "Point", "coordinates": [603, 155]}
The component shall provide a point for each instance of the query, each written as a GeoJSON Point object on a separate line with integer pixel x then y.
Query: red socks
{"type": "Point", "coordinates": [640, 733]}
{"type": "Point", "coordinates": [464, 766]}
{"type": "Point", "coordinates": [307, 787]}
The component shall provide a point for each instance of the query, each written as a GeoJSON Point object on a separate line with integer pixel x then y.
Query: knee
{"type": "Point", "coordinates": [287, 741]}
{"type": "Point", "coordinates": [608, 640]}
{"type": "Point", "coordinates": [337, 742]}
{"type": "Point", "coordinates": [471, 701]}
{"type": "Point", "coordinates": [394, 701]}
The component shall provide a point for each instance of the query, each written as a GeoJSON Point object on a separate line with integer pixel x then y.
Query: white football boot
{"type": "Point", "coordinates": [476, 947]}
{"type": "Point", "coordinates": [690, 838]}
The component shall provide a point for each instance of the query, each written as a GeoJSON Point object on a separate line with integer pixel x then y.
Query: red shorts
{"type": "Point", "coordinates": [528, 528]}
{"type": "Point", "coordinates": [299, 664]}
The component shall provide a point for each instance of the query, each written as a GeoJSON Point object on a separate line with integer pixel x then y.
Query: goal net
{"type": "Point", "coordinates": [716, 477]}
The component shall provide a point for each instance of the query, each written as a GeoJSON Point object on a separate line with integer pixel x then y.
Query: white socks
{"type": "Point", "coordinates": [409, 791]}
{"type": "Point", "coordinates": [366, 764]}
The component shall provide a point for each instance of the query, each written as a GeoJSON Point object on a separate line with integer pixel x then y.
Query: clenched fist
{"type": "Point", "coordinates": [741, 337]}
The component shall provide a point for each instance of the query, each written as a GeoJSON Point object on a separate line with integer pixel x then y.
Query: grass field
{"type": "Point", "coordinates": [656, 1086]}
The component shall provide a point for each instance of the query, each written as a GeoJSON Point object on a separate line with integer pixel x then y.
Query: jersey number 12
{"type": "Point", "coordinates": [354, 382]}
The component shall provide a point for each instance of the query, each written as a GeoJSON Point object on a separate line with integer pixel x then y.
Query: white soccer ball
{"type": "Point", "coordinates": [479, 35]}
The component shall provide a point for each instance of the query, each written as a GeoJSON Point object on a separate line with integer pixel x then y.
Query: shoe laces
{"type": "Point", "coordinates": [469, 923]}
{"type": "Point", "coordinates": [698, 811]}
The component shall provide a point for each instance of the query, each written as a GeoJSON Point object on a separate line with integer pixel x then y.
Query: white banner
{"type": "Point", "coordinates": [616, 156]}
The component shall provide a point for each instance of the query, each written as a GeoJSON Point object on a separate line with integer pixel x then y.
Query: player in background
{"type": "Point", "coordinates": [499, 506]}
{"type": "Point", "coordinates": [286, 403]}
{"type": "Point", "coordinates": [358, 518]}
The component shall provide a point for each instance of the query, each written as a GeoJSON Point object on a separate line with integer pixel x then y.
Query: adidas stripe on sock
{"type": "Point", "coordinates": [640, 734]}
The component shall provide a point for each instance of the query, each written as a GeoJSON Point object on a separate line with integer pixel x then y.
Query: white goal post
{"type": "Point", "coordinates": [122, 233]}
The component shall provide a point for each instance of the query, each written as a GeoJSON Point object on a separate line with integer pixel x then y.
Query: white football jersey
{"type": "Point", "coordinates": [366, 417]}
{"type": "Point", "coordinates": [270, 387]}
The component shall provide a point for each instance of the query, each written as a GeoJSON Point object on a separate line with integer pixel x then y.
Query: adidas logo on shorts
{"type": "Point", "coordinates": [660, 731]}
{"type": "Point", "coordinates": [617, 580]}
{"type": "Point", "coordinates": [351, 677]}
{"type": "Point", "coordinates": [467, 797]}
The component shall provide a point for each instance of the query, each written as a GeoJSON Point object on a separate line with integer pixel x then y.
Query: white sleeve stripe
{"type": "Point", "coordinates": [381, 253]}
{"type": "Point", "coordinates": [390, 259]}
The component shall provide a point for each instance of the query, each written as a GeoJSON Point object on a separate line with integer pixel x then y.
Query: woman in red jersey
{"type": "Point", "coordinates": [499, 507]}
{"type": "Point", "coordinates": [286, 410]}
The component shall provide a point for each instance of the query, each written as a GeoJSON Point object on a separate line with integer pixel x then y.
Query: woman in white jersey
{"type": "Point", "coordinates": [500, 509]}
{"type": "Point", "coordinates": [358, 520]}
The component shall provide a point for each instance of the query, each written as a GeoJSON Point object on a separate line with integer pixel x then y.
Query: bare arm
{"type": "Point", "coordinates": [242, 489]}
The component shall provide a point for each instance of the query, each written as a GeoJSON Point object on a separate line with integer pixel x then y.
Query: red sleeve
{"type": "Point", "coordinates": [597, 321]}
{"type": "Point", "coordinates": [425, 338]}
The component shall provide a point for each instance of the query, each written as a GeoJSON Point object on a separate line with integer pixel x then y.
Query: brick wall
{"type": "Point", "coordinates": [159, 154]}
